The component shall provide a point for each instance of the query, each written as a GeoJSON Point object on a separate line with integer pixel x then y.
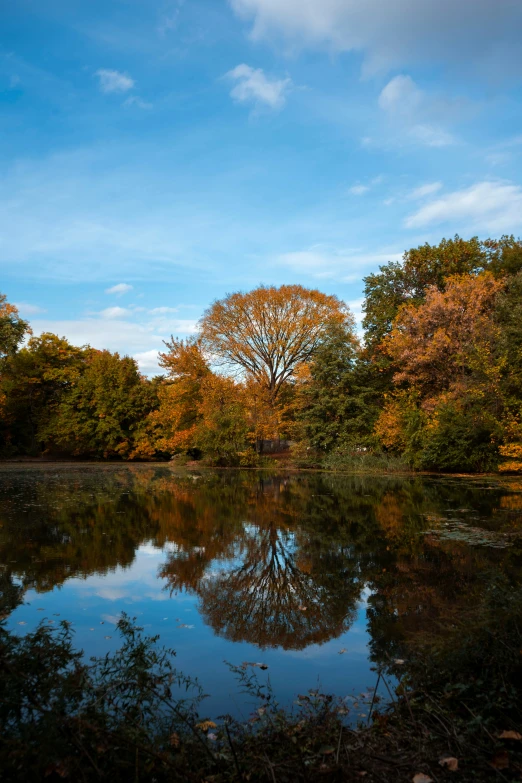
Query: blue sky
{"type": "Point", "coordinates": [155, 156]}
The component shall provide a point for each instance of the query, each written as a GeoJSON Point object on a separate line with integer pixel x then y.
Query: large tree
{"type": "Point", "coordinates": [268, 332]}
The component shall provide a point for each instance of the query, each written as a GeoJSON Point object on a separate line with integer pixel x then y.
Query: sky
{"type": "Point", "coordinates": [156, 155]}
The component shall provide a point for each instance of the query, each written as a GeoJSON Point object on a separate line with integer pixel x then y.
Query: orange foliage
{"type": "Point", "coordinates": [267, 333]}
{"type": "Point", "coordinates": [437, 343]}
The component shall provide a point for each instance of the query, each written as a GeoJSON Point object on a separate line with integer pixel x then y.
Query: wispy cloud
{"type": "Point", "coordinates": [358, 190]}
{"type": "Point", "coordinates": [114, 81]}
{"type": "Point", "coordinates": [488, 206]}
{"type": "Point", "coordinates": [163, 310]}
{"type": "Point", "coordinates": [28, 309]}
{"type": "Point", "coordinates": [425, 190]}
{"type": "Point", "coordinates": [417, 114]}
{"type": "Point", "coordinates": [115, 312]}
{"type": "Point", "coordinates": [254, 87]}
{"type": "Point", "coordinates": [119, 289]}
{"type": "Point", "coordinates": [328, 263]}
{"type": "Point", "coordinates": [139, 103]}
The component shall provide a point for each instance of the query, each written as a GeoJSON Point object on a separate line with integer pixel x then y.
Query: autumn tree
{"type": "Point", "coordinates": [268, 332]}
{"type": "Point", "coordinates": [171, 428]}
{"type": "Point", "coordinates": [12, 328]}
{"type": "Point", "coordinates": [451, 336]}
{"type": "Point", "coordinates": [406, 282]}
{"type": "Point", "coordinates": [448, 370]}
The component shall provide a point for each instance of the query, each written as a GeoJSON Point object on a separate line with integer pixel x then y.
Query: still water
{"type": "Point", "coordinates": [319, 577]}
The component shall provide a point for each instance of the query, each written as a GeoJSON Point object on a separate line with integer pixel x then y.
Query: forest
{"type": "Point", "coordinates": [433, 383]}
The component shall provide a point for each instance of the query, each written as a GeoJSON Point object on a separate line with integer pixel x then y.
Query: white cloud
{"type": "Point", "coordinates": [148, 362]}
{"type": "Point", "coordinates": [426, 190]}
{"type": "Point", "coordinates": [346, 266]}
{"type": "Point", "coordinates": [135, 100]}
{"type": "Point", "coordinates": [359, 190]}
{"type": "Point", "coordinates": [486, 206]}
{"type": "Point", "coordinates": [483, 32]}
{"type": "Point", "coordinates": [417, 114]}
{"type": "Point", "coordinates": [128, 338]}
{"type": "Point", "coordinates": [431, 136]}
{"type": "Point", "coordinates": [114, 81]}
{"type": "Point", "coordinates": [253, 86]}
{"type": "Point", "coordinates": [401, 95]}
{"type": "Point", "coordinates": [163, 310]}
{"type": "Point", "coordinates": [119, 289]}
{"type": "Point", "coordinates": [114, 312]}
{"type": "Point", "coordinates": [28, 309]}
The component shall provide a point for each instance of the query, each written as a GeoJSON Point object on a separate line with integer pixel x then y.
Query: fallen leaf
{"type": "Point", "coordinates": [420, 777]}
{"type": "Point", "coordinates": [399, 661]}
{"type": "Point", "coordinates": [302, 608]}
{"type": "Point", "coordinates": [342, 651]}
{"type": "Point", "coordinates": [500, 760]}
{"type": "Point", "coordinates": [514, 735]}
{"type": "Point", "coordinates": [449, 762]}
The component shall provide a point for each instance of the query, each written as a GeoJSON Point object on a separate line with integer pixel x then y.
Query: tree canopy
{"type": "Point", "coordinates": [268, 332]}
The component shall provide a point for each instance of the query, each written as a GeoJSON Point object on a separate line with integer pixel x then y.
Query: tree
{"type": "Point", "coordinates": [171, 428]}
{"type": "Point", "coordinates": [446, 413]}
{"type": "Point", "coordinates": [403, 282]}
{"type": "Point", "coordinates": [333, 405]}
{"type": "Point", "coordinates": [34, 381]}
{"type": "Point", "coordinates": [268, 332]}
{"type": "Point", "coordinates": [103, 410]}
{"type": "Point", "coordinates": [12, 328]}
{"type": "Point", "coordinates": [448, 338]}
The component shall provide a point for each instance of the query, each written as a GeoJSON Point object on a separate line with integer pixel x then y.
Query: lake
{"type": "Point", "coordinates": [321, 578]}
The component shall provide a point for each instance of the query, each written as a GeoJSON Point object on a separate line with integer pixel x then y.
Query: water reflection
{"type": "Point", "coordinates": [275, 561]}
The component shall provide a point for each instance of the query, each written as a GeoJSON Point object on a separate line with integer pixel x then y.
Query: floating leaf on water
{"type": "Point", "coordinates": [22, 622]}
{"type": "Point", "coordinates": [184, 625]}
{"type": "Point", "coordinates": [108, 637]}
{"type": "Point", "coordinates": [512, 735]}
{"type": "Point", "coordinates": [420, 777]}
{"type": "Point", "coordinates": [449, 762]}
{"type": "Point", "coordinates": [342, 651]}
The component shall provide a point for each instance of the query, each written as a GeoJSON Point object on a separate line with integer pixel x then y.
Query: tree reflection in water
{"type": "Point", "coordinates": [274, 560]}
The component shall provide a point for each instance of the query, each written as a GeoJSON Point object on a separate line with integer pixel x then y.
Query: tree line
{"type": "Point", "coordinates": [434, 383]}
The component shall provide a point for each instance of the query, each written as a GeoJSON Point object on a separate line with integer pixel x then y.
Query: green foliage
{"type": "Point", "coordinates": [35, 381]}
{"type": "Point", "coordinates": [461, 438]}
{"type": "Point", "coordinates": [102, 412]}
{"type": "Point", "coordinates": [334, 405]}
